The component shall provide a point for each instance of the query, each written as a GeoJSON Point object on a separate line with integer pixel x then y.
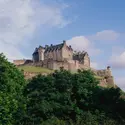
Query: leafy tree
{"type": "Point", "coordinates": [11, 98]}
{"type": "Point", "coordinates": [109, 101]}
{"type": "Point", "coordinates": [61, 98]}
{"type": "Point", "coordinates": [62, 94]}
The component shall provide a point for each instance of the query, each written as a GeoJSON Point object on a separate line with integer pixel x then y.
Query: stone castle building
{"type": "Point", "coordinates": [61, 55]}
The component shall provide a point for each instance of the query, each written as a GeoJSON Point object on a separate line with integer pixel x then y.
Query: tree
{"type": "Point", "coordinates": [11, 88]}
{"type": "Point", "coordinates": [62, 94]}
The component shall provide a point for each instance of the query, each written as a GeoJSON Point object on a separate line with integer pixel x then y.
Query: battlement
{"type": "Point", "coordinates": [105, 77]}
{"type": "Point", "coordinates": [104, 72]}
{"type": "Point", "coordinates": [19, 62]}
{"type": "Point", "coordinates": [22, 61]}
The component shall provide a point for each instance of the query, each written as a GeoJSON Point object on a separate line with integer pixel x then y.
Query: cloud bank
{"type": "Point", "coordinates": [19, 20]}
{"type": "Point", "coordinates": [118, 61]}
{"type": "Point", "coordinates": [121, 82]}
{"type": "Point", "coordinates": [82, 43]}
{"type": "Point", "coordinates": [105, 36]}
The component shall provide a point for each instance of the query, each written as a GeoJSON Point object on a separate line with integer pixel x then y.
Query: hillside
{"type": "Point", "coordinates": [34, 69]}
{"type": "Point", "coordinates": [63, 98]}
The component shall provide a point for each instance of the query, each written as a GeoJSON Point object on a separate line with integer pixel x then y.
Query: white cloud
{"type": "Point", "coordinates": [81, 43]}
{"type": "Point", "coordinates": [118, 61]}
{"type": "Point", "coordinates": [105, 35]}
{"type": "Point", "coordinates": [121, 82]}
{"type": "Point", "coordinates": [94, 65]}
{"type": "Point", "coordinates": [20, 18]}
{"type": "Point", "coordinates": [11, 52]}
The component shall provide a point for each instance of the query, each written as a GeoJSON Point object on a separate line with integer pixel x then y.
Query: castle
{"type": "Point", "coordinates": [61, 55]}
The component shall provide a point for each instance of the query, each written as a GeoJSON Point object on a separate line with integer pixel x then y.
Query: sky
{"type": "Point", "coordinates": [95, 26]}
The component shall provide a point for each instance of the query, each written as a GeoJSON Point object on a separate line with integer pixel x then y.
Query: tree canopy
{"type": "Point", "coordinates": [61, 98]}
{"type": "Point", "coordinates": [11, 90]}
{"type": "Point", "coordinates": [68, 96]}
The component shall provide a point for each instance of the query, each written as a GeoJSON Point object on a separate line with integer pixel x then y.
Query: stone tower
{"type": "Point", "coordinates": [82, 57]}
{"type": "Point", "coordinates": [41, 51]}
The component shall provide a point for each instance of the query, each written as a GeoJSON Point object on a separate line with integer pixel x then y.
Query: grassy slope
{"type": "Point", "coordinates": [98, 77]}
{"type": "Point", "coordinates": [42, 70]}
{"type": "Point", "coordinates": [45, 70]}
{"type": "Point", "coordinates": [34, 69]}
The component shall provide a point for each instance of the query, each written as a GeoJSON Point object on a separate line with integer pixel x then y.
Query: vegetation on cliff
{"type": "Point", "coordinates": [61, 98]}
{"type": "Point", "coordinates": [34, 69]}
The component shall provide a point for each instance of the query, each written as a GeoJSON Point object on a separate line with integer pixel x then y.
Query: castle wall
{"type": "Point", "coordinates": [67, 54]}
{"type": "Point", "coordinates": [46, 55]}
{"type": "Point", "coordinates": [57, 65]}
{"type": "Point", "coordinates": [41, 54]}
{"type": "Point", "coordinates": [103, 73]}
{"type": "Point", "coordinates": [83, 59]}
{"type": "Point", "coordinates": [106, 76]}
{"type": "Point", "coordinates": [59, 55]}
{"type": "Point", "coordinates": [72, 65]}
{"type": "Point", "coordinates": [19, 62]}
{"type": "Point", "coordinates": [54, 55]}
{"type": "Point", "coordinates": [86, 61]}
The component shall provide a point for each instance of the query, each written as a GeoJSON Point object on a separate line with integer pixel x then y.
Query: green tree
{"type": "Point", "coordinates": [11, 88]}
{"type": "Point", "coordinates": [66, 98]}
{"type": "Point", "coordinates": [109, 101]}
{"type": "Point", "coordinates": [62, 94]}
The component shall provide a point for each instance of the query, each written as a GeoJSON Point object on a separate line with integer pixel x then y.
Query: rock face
{"type": "Point", "coordinates": [104, 76]}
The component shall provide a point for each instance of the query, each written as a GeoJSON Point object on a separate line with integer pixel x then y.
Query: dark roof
{"type": "Point", "coordinates": [79, 55]}
{"type": "Point", "coordinates": [36, 51]}
{"type": "Point", "coordinates": [52, 48]}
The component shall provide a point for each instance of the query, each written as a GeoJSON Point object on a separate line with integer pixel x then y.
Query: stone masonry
{"type": "Point", "coordinates": [61, 55]}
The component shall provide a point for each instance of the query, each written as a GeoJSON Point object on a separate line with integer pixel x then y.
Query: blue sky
{"type": "Point", "coordinates": [96, 26]}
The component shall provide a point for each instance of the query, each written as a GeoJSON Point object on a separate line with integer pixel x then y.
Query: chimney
{"type": "Point", "coordinates": [108, 67]}
{"type": "Point", "coordinates": [64, 42]}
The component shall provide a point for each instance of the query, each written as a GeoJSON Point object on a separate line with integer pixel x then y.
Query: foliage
{"type": "Point", "coordinates": [61, 98]}
{"type": "Point", "coordinates": [72, 97]}
{"type": "Point", "coordinates": [11, 98]}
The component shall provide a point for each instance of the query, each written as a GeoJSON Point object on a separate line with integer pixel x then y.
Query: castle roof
{"type": "Point", "coordinates": [83, 53]}
{"type": "Point", "coordinates": [79, 55]}
{"type": "Point", "coordinates": [52, 48]}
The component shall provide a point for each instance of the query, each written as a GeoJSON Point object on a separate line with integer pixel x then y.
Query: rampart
{"type": "Point", "coordinates": [22, 62]}
{"type": "Point", "coordinates": [105, 77]}
{"type": "Point", "coordinates": [19, 62]}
